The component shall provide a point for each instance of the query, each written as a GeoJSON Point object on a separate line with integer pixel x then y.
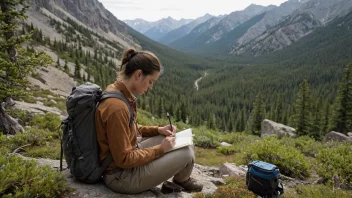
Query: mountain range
{"type": "Point", "coordinates": [267, 49]}
{"type": "Point", "coordinates": [255, 31]}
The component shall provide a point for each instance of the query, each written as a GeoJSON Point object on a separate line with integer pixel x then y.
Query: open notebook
{"type": "Point", "coordinates": [183, 138]}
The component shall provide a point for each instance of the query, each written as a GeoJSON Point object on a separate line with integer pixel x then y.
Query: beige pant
{"type": "Point", "coordinates": [177, 164]}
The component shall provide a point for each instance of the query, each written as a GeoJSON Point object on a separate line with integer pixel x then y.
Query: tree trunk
{"type": "Point", "coordinates": [8, 124]}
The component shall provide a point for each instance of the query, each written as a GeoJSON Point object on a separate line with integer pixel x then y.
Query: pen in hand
{"type": "Point", "coordinates": [168, 116]}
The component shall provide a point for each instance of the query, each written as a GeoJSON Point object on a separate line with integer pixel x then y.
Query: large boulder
{"type": "Point", "coordinates": [37, 108]}
{"type": "Point", "coordinates": [99, 190]}
{"type": "Point", "coordinates": [230, 169]}
{"type": "Point", "coordinates": [269, 128]}
{"type": "Point", "coordinates": [336, 136]}
{"type": "Point", "coordinates": [225, 144]}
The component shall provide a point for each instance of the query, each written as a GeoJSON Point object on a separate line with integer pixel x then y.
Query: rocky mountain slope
{"type": "Point", "coordinates": [89, 13]}
{"type": "Point", "coordinates": [215, 31]}
{"type": "Point", "coordinates": [303, 21]}
{"type": "Point", "coordinates": [140, 25]}
{"type": "Point", "coordinates": [183, 30]}
{"type": "Point", "coordinates": [156, 30]}
{"type": "Point", "coordinates": [192, 36]}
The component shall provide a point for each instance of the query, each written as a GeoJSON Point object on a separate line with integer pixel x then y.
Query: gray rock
{"type": "Point", "coordinates": [40, 98]}
{"type": "Point", "coordinates": [336, 136]}
{"type": "Point", "coordinates": [53, 101]}
{"type": "Point", "coordinates": [39, 103]}
{"type": "Point", "coordinates": [230, 169]}
{"type": "Point", "coordinates": [36, 108]}
{"type": "Point", "coordinates": [225, 144]}
{"type": "Point", "coordinates": [99, 190]}
{"type": "Point", "coordinates": [349, 134]}
{"type": "Point", "coordinates": [269, 128]}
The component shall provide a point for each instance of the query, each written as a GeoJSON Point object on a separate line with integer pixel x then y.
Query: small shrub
{"type": "Point", "coordinates": [205, 142]}
{"type": "Point", "coordinates": [307, 145]}
{"type": "Point", "coordinates": [33, 136]}
{"type": "Point", "coordinates": [318, 191]}
{"type": "Point", "coordinates": [236, 138]}
{"type": "Point", "coordinates": [338, 161]}
{"type": "Point", "coordinates": [43, 93]}
{"type": "Point", "coordinates": [29, 99]}
{"type": "Point", "coordinates": [22, 115]}
{"type": "Point", "coordinates": [49, 121]}
{"type": "Point", "coordinates": [23, 178]}
{"type": "Point", "coordinates": [290, 161]}
{"type": "Point", "coordinates": [227, 150]}
{"type": "Point", "coordinates": [51, 150]}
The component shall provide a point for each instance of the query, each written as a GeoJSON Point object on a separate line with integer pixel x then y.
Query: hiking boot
{"type": "Point", "coordinates": [190, 184]}
{"type": "Point", "coordinates": [169, 187]}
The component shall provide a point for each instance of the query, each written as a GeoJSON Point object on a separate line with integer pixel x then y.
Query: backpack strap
{"type": "Point", "coordinates": [106, 162]}
{"type": "Point", "coordinates": [120, 96]}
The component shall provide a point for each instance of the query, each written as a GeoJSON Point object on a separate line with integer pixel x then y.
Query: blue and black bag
{"type": "Point", "coordinates": [263, 179]}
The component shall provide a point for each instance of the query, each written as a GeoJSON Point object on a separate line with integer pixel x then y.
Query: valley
{"type": "Point", "coordinates": [223, 76]}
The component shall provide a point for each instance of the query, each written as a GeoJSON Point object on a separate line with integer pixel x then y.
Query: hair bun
{"type": "Point", "coordinates": [131, 55]}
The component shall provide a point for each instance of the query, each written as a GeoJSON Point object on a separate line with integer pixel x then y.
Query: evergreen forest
{"type": "Point", "coordinates": [235, 88]}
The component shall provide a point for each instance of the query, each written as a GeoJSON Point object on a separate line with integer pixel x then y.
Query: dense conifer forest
{"type": "Point", "coordinates": [238, 92]}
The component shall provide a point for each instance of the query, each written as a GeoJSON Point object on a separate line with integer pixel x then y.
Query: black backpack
{"type": "Point", "coordinates": [79, 142]}
{"type": "Point", "coordinates": [263, 179]}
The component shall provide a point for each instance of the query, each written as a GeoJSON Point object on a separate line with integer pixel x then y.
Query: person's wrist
{"type": "Point", "coordinates": [160, 130]}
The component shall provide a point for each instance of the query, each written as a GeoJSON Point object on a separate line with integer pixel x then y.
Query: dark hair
{"type": "Point", "coordinates": [143, 60]}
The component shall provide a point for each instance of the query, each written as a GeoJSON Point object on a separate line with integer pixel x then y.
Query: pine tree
{"type": "Point", "coordinates": [257, 114]}
{"type": "Point", "coordinates": [88, 73]}
{"type": "Point", "coordinates": [342, 116]}
{"type": "Point", "coordinates": [77, 72]}
{"type": "Point", "coordinates": [241, 121]}
{"type": "Point", "coordinates": [66, 67]}
{"type": "Point", "coordinates": [303, 117]}
{"type": "Point", "coordinates": [58, 62]}
{"type": "Point", "coordinates": [211, 123]}
{"type": "Point", "coordinates": [326, 118]}
{"type": "Point", "coordinates": [279, 109]}
{"type": "Point", "coordinates": [160, 110]}
{"type": "Point", "coordinates": [317, 120]}
{"type": "Point", "coordinates": [16, 63]}
{"type": "Point", "coordinates": [183, 111]}
{"type": "Point", "coordinates": [231, 123]}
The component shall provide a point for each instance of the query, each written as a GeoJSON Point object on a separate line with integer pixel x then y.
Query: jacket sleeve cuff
{"type": "Point", "coordinates": [158, 151]}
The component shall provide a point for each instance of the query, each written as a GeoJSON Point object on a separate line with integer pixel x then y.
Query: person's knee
{"type": "Point", "coordinates": [187, 153]}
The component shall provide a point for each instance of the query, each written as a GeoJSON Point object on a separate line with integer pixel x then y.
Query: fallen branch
{"type": "Point", "coordinates": [21, 147]}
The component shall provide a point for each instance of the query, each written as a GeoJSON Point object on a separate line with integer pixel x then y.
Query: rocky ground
{"type": "Point", "coordinates": [99, 190]}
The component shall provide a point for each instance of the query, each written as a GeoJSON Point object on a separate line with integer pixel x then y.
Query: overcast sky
{"type": "Point", "coordinates": [153, 10]}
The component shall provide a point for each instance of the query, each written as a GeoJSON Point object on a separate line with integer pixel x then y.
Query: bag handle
{"type": "Point", "coordinates": [280, 188]}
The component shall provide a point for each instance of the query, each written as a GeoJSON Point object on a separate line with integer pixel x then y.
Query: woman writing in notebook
{"type": "Point", "coordinates": [140, 161]}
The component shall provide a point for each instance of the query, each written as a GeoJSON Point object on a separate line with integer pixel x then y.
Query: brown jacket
{"type": "Point", "coordinates": [116, 137]}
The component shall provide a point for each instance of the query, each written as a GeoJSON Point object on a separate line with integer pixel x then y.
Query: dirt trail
{"type": "Point", "coordinates": [196, 82]}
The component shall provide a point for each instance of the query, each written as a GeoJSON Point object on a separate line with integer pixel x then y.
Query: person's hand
{"type": "Point", "coordinates": [168, 143]}
{"type": "Point", "coordinates": [167, 131]}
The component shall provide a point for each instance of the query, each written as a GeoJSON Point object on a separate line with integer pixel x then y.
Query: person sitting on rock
{"type": "Point", "coordinates": [140, 161]}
